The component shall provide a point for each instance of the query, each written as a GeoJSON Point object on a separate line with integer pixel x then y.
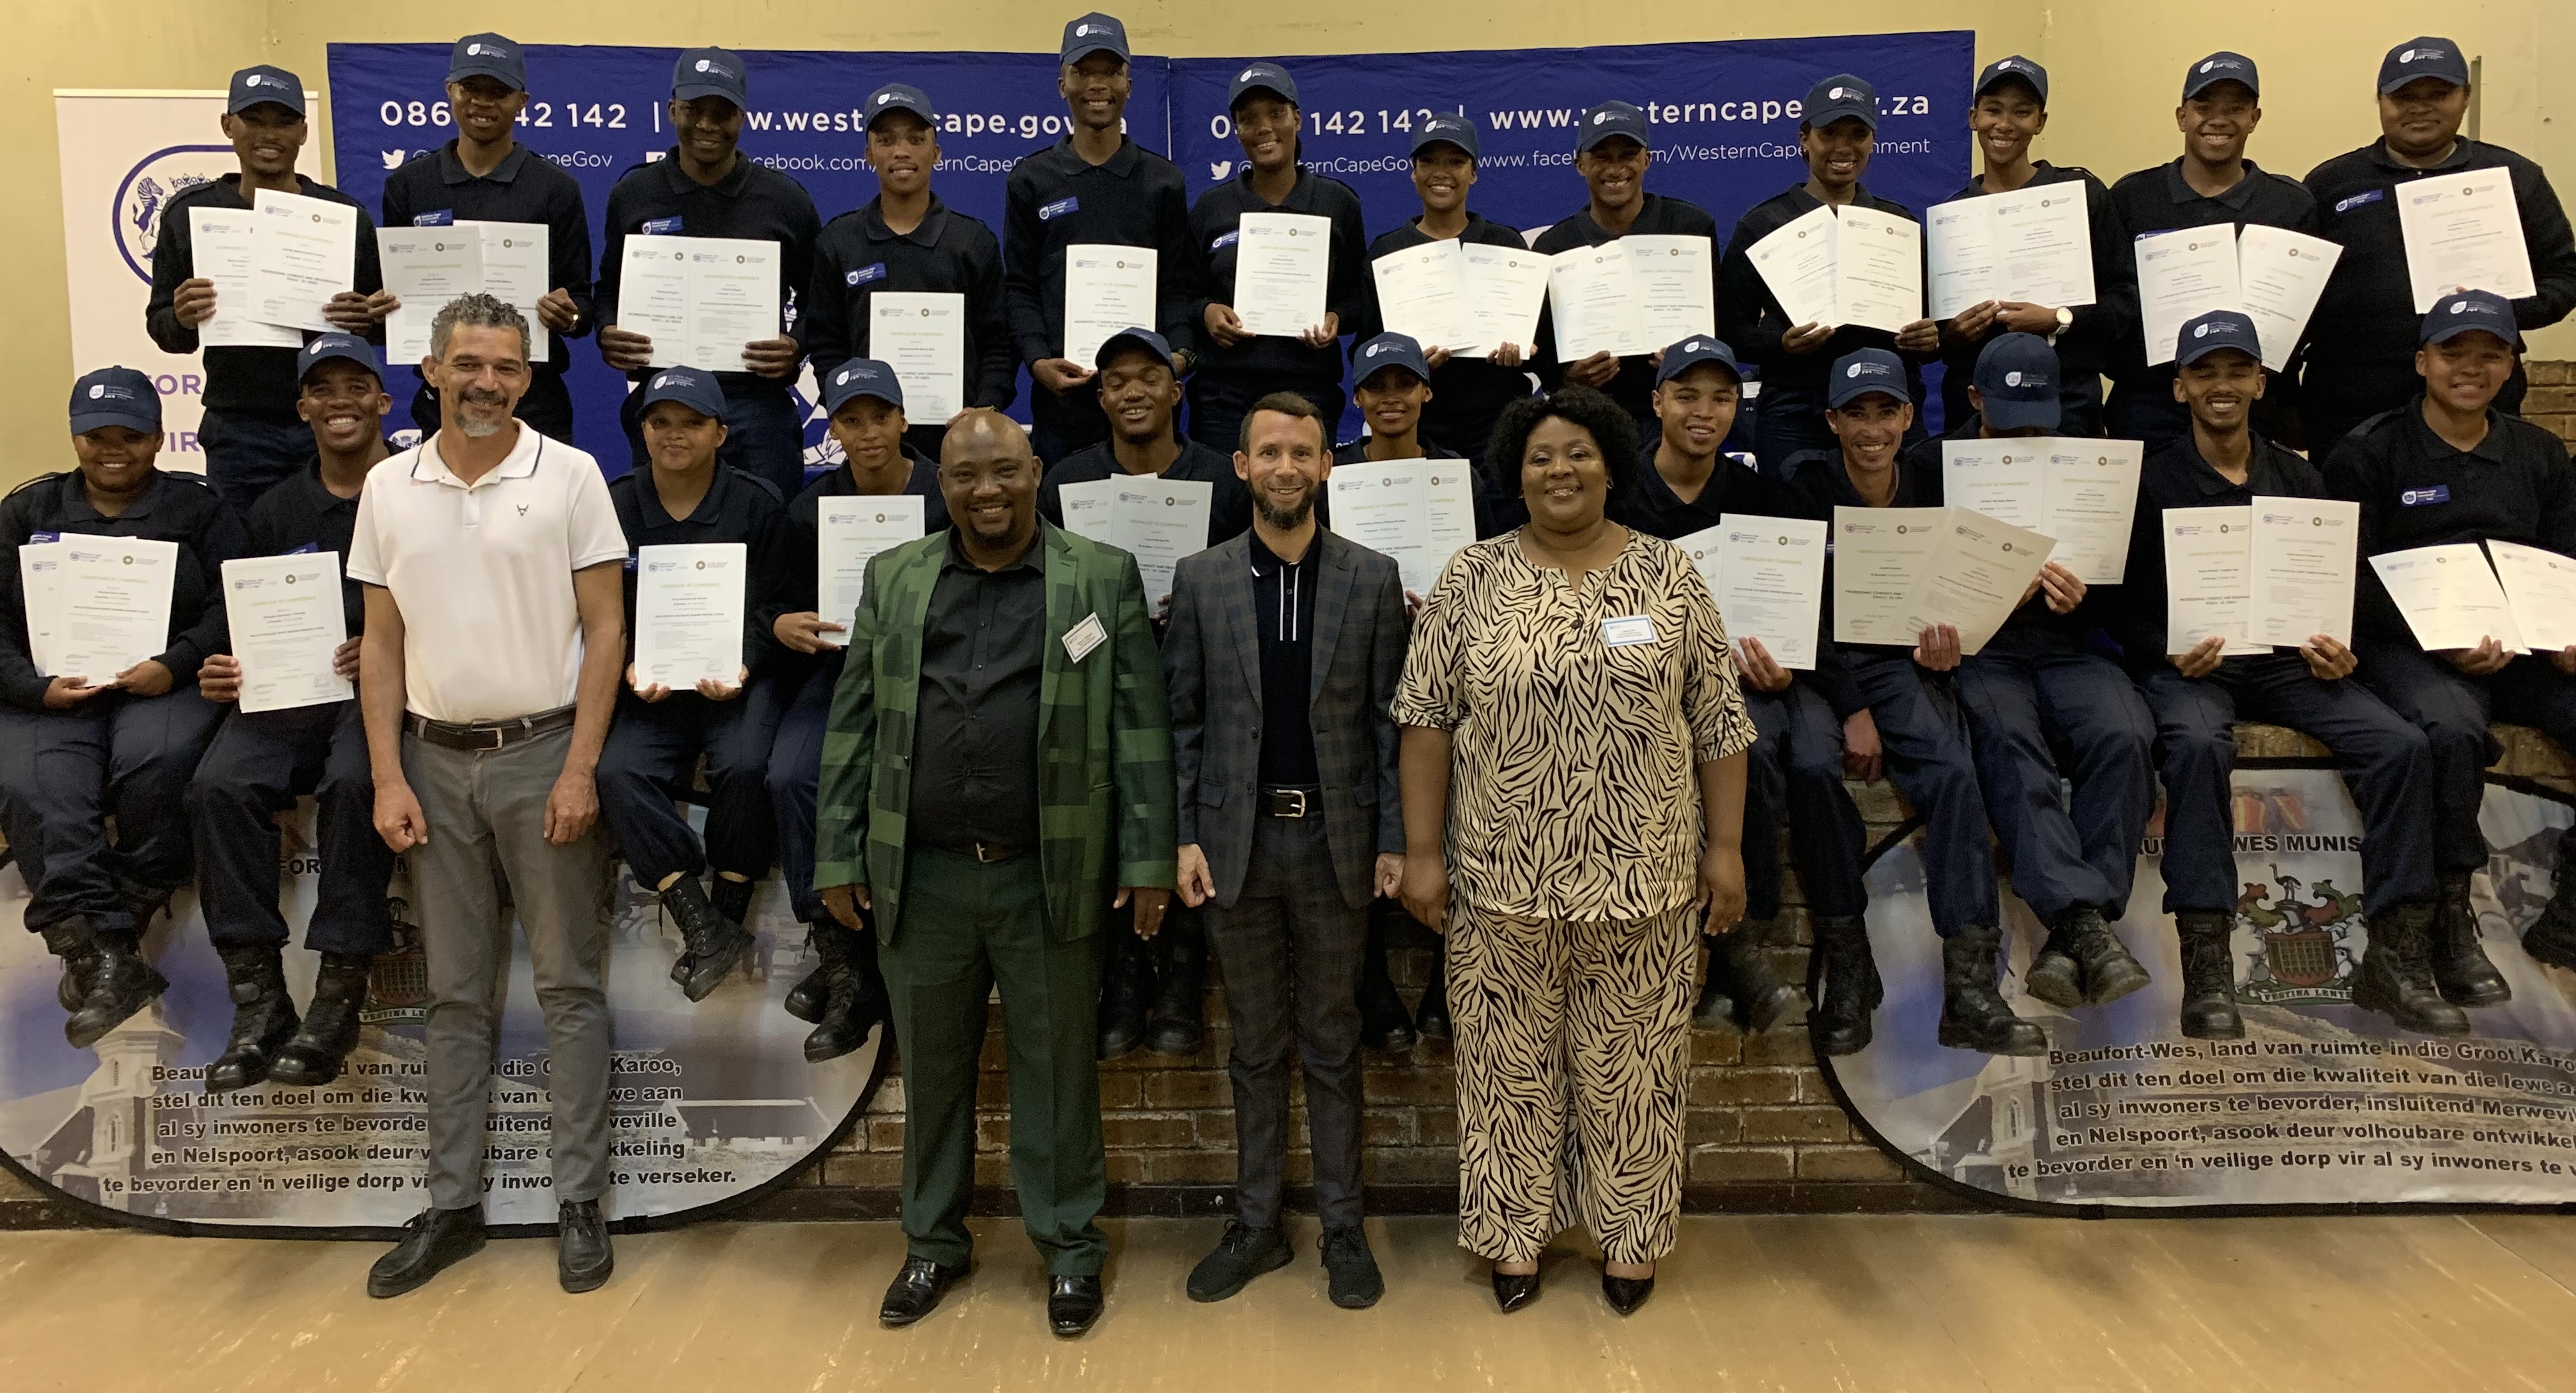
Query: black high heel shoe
{"type": "Point", "coordinates": [1513, 1290]}
{"type": "Point", "coordinates": [1626, 1294]}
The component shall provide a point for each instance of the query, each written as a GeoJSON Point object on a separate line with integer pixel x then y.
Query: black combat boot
{"type": "Point", "coordinates": [1973, 1013]}
{"type": "Point", "coordinates": [1178, 1023]}
{"type": "Point", "coordinates": [1384, 1023]}
{"type": "Point", "coordinates": [123, 984]}
{"type": "Point", "coordinates": [732, 899]}
{"type": "Point", "coordinates": [2208, 974]}
{"type": "Point", "coordinates": [1767, 1001]}
{"type": "Point", "coordinates": [2460, 966]}
{"type": "Point", "coordinates": [1847, 985]}
{"type": "Point", "coordinates": [1715, 1008]}
{"type": "Point", "coordinates": [715, 943]}
{"type": "Point", "coordinates": [1431, 1013]}
{"type": "Point", "coordinates": [2552, 937]}
{"type": "Point", "coordinates": [2396, 975]}
{"type": "Point", "coordinates": [1126, 989]}
{"type": "Point", "coordinates": [313, 1058]}
{"type": "Point", "coordinates": [2082, 963]}
{"type": "Point", "coordinates": [263, 1017]}
{"type": "Point", "coordinates": [805, 1000]}
{"type": "Point", "coordinates": [854, 996]}
{"type": "Point", "coordinates": [70, 941]}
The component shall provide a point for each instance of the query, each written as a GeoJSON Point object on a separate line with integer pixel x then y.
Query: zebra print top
{"type": "Point", "coordinates": [1573, 787]}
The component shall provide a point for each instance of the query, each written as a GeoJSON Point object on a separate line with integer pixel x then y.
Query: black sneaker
{"type": "Point", "coordinates": [1243, 1254]}
{"type": "Point", "coordinates": [1351, 1269]}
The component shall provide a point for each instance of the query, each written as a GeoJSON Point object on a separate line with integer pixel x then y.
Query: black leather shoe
{"type": "Point", "coordinates": [2396, 974]}
{"type": "Point", "coordinates": [1243, 1254]}
{"type": "Point", "coordinates": [854, 994]}
{"type": "Point", "coordinates": [1715, 1009]}
{"type": "Point", "coordinates": [583, 1258]}
{"type": "Point", "coordinates": [1626, 1294]}
{"type": "Point", "coordinates": [1847, 985]}
{"type": "Point", "coordinates": [1513, 1290]}
{"type": "Point", "coordinates": [1973, 1013]}
{"type": "Point", "coordinates": [1350, 1269]}
{"type": "Point", "coordinates": [1126, 991]}
{"type": "Point", "coordinates": [916, 1290]}
{"type": "Point", "coordinates": [2109, 971]}
{"type": "Point", "coordinates": [1073, 1303]}
{"type": "Point", "coordinates": [71, 942]}
{"type": "Point", "coordinates": [806, 1000]}
{"type": "Point", "coordinates": [1767, 1002]}
{"type": "Point", "coordinates": [435, 1240]}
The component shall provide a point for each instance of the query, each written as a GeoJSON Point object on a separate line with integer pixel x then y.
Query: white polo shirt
{"type": "Point", "coordinates": [483, 573]}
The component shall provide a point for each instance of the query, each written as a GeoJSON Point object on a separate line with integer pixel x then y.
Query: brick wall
{"type": "Point", "coordinates": [2552, 399]}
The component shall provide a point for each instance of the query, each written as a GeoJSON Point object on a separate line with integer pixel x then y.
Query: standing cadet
{"type": "Point", "coordinates": [705, 187]}
{"type": "Point", "coordinates": [1466, 393]}
{"type": "Point", "coordinates": [1237, 367]}
{"type": "Point", "coordinates": [2209, 184]}
{"type": "Point", "coordinates": [2199, 693]}
{"type": "Point", "coordinates": [1094, 187]}
{"type": "Point", "coordinates": [1611, 153]}
{"type": "Point", "coordinates": [844, 995]}
{"type": "Point", "coordinates": [906, 240]}
{"type": "Point", "coordinates": [1901, 713]}
{"type": "Point", "coordinates": [687, 498]}
{"type": "Point", "coordinates": [250, 432]}
{"type": "Point", "coordinates": [485, 175]}
{"type": "Point", "coordinates": [260, 761]}
{"type": "Point", "coordinates": [2011, 111]}
{"type": "Point", "coordinates": [1836, 133]}
{"type": "Point", "coordinates": [2450, 466]}
{"type": "Point", "coordinates": [2362, 345]}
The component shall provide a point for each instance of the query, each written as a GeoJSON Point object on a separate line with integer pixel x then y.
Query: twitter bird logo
{"type": "Point", "coordinates": [394, 158]}
{"type": "Point", "coordinates": [1218, 169]}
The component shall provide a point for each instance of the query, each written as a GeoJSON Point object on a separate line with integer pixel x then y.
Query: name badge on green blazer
{"type": "Point", "coordinates": [1085, 636]}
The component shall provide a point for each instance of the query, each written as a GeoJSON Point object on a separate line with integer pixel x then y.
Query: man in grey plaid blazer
{"type": "Point", "coordinates": [1283, 654]}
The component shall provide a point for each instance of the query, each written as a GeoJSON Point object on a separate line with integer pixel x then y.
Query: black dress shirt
{"type": "Point", "coordinates": [1634, 387]}
{"type": "Point", "coordinates": [1229, 507]}
{"type": "Point", "coordinates": [1750, 319]}
{"type": "Point", "coordinates": [753, 202]}
{"type": "Point", "coordinates": [948, 253]}
{"type": "Point", "coordinates": [975, 742]}
{"type": "Point", "coordinates": [436, 187]}
{"type": "Point", "coordinates": [1056, 200]}
{"type": "Point", "coordinates": [2417, 491]}
{"type": "Point", "coordinates": [1275, 362]}
{"type": "Point", "coordinates": [2100, 331]}
{"type": "Point", "coordinates": [738, 507]}
{"type": "Point", "coordinates": [2156, 199]}
{"type": "Point", "coordinates": [1283, 611]}
{"type": "Point", "coordinates": [244, 381]}
{"type": "Point", "coordinates": [2178, 477]}
{"type": "Point", "coordinates": [1649, 504]}
{"type": "Point", "coordinates": [299, 514]}
{"type": "Point", "coordinates": [173, 508]}
{"type": "Point", "coordinates": [783, 572]}
{"type": "Point", "coordinates": [1466, 393]}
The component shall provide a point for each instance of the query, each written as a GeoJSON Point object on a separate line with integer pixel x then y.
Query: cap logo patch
{"type": "Point", "coordinates": [1691, 347]}
{"type": "Point", "coordinates": [1836, 94]}
{"type": "Point", "coordinates": [1248, 74]}
{"type": "Point", "coordinates": [702, 65]}
{"type": "Point", "coordinates": [1601, 118]}
{"type": "Point", "coordinates": [2012, 379]}
{"type": "Point", "coordinates": [1081, 30]}
{"type": "Point", "coordinates": [2200, 331]}
{"type": "Point", "coordinates": [2459, 306]}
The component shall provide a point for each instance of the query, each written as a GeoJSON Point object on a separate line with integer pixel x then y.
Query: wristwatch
{"type": "Point", "coordinates": [2065, 321]}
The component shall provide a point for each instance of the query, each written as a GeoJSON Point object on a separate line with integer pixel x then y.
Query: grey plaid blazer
{"type": "Point", "coordinates": [1212, 663]}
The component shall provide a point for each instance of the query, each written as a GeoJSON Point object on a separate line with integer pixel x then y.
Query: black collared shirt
{"type": "Point", "coordinates": [1056, 199]}
{"type": "Point", "coordinates": [1634, 387]}
{"type": "Point", "coordinates": [2179, 477]}
{"type": "Point", "coordinates": [1749, 316]}
{"type": "Point", "coordinates": [244, 381]}
{"type": "Point", "coordinates": [299, 513]}
{"type": "Point", "coordinates": [173, 508]}
{"type": "Point", "coordinates": [2088, 346]}
{"type": "Point", "coordinates": [738, 507]}
{"type": "Point", "coordinates": [975, 742]}
{"type": "Point", "coordinates": [1283, 612]}
{"type": "Point", "coordinates": [753, 202]}
{"type": "Point", "coordinates": [1818, 483]}
{"type": "Point", "coordinates": [1229, 507]}
{"type": "Point", "coordinates": [1274, 362]}
{"type": "Point", "coordinates": [436, 187]}
{"type": "Point", "coordinates": [2156, 199]}
{"type": "Point", "coordinates": [948, 254]}
{"type": "Point", "coordinates": [2416, 491]}
{"type": "Point", "coordinates": [2367, 314]}
{"type": "Point", "coordinates": [1649, 504]}
{"type": "Point", "coordinates": [783, 574]}
{"type": "Point", "coordinates": [1466, 393]}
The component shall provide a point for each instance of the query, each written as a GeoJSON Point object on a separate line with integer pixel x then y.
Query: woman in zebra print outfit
{"type": "Point", "coordinates": [1573, 769]}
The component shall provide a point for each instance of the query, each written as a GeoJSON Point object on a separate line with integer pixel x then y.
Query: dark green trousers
{"type": "Point", "coordinates": [966, 927]}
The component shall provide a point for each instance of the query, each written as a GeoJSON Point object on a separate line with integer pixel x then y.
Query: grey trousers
{"type": "Point", "coordinates": [487, 811]}
{"type": "Point", "coordinates": [1290, 948]}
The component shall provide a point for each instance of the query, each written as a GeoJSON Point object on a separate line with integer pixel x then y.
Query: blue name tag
{"type": "Point", "coordinates": [865, 274]}
{"type": "Point", "coordinates": [630, 561]}
{"type": "Point", "coordinates": [1052, 211]}
{"type": "Point", "coordinates": [41, 537]}
{"type": "Point", "coordinates": [444, 217]}
{"type": "Point", "coordinates": [2417, 498]}
{"type": "Point", "coordinates": [1224, 240]}
{"type": "Point", "coordinates": [308, 546]}
{"type": "Point", "coordinates": [660, 227]}
{"type": "Point", "coordinates": [2365, 196]}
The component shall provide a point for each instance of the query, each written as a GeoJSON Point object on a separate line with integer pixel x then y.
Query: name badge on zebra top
{"type": "Point", "coordinates": [1627, 629]}
{"type": "Point", "coordinates": [1085, 636]}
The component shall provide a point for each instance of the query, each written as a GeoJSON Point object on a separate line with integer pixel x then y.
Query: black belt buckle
{"type": "Point", "coordinates": [1285, 802]}
{"type": "Point", "coordinates": [988, 854]}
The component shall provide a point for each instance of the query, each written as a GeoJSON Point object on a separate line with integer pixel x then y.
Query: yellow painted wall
{"type": "Point", "coordinates": [2115, 67]}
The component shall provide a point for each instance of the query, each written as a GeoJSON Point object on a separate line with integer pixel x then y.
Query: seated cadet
{"type": "Point", "coordinates": [1392, 389]}
{"type": "Point", "coordinates": [2198, 694]}
{"type": "Point", "coordinates": [686, 497]}
{"type": "Point", "coordinates": [260, 761]}
{"type": "Point", "coordinates": [845, 994]}
{"type": "Point", "coordinates": [1900, 712]}
{"type": "Point", "coordinates": [79, 747]}
{"type": "Point", "coordinates": [2449, 467]}
{"type": "Point", "coordinates": [1684, 485]}
{"type": "Point", "coordinates": [2036, 687]}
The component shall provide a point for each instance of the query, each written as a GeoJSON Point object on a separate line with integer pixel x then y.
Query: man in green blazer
{"type": "Point", "coordinates": [998, 757]}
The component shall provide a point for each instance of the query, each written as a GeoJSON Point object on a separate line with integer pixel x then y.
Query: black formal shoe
{"type": "Point", "coordinates": [1626, 1294]}
{"type": "Point", "coordinates": [1178, 1023]}
{"type": "Point", "coordinates": [330, 1030]}
{"type": "Point", "coordinates": [1243, 1254]}
{"type": "Point", "coordinates": [1848, 989]}
{"type": "Point", "coordinates": [1973, 1013]}
{"type": "Point", "coordinates": [434, 1240]}
{"type": "Point", "coordinates": [1513, 1290]}
{"type": "Point", "coordinates": [2209, 975]}
{"type": "Point", "coordinates": [263, 1017]}
{"type": "Point", "coordinates": [2460, 966]}
{"type": "Point", "coordinates": [714, 943]}
{"type": "Point", "coordinates": [1350, 1269]}
{"type": "Point", "coordinates": [1073, 1304]}
{"type": "Point", "coordinates": [915, 1291]}
{"type": "Point", "coordinates": [123, 984]}
{"type": "Point", "coordinates": [583, 1257]}
{"type": "Point", "coordinates": [1431, 1014]}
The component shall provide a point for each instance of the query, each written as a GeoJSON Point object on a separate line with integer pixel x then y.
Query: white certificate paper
{"type": "Point", "coordinates": [1158, 521]}
{"type": "Point", "coordinates": [2279, 275]}
{"type": "Point", "coordinates": [2542, 586]}
{"type": "Point", "coordinates": [1676, 287]}
{"type": "Point", "coordinates": [287, 622]}
{"type": "Point", "coordinates": [1282, 263]}
{"type": "Point", "coordinates": [304, 252]}
{"type": "Point", "coordinates": [1878, 554]}
{"type": "Point", "coordinates": [516, 268]}
{"type": "Point", "coordinates": [1422, 291]}
{"type": "Point", "coordinates": [1108, 289]}
{"type": "Point", "coordinates": [2033, 244]}
{"type": "Point", "coordinates": [1771, 583]}
{"type": "Point", "coordinates": [848, 533]}
{"type": "Point", "coordinates": [1878, 269]}
{"type": "Point", "coordinates": [425, 267]}
{"type": "Point", "coordinates": [1797, 262]}
{"type": "Point", "coordinates": [2449, 597]}
{"type": "Point", "coordinates": [2303, 569]}
{"type": "Point", "coordinates": [221, 246]}
{"type": "Point", "coordinates": [40, 570]}
{"type": "Point", "coordinates": [1419, 512]}
{"type": "Point", "coordinates": [688, 614]}
{"type": "Point", "coordinates": [2209, 579]}
{"type": "Point", "coordinates": [2182, 274]}
{"type": "Point", "coordinates": [111, 605]}
{"type": "Point", "coordinates": [2079, 492]}
{"type": "Point", "coordinates": [1506, 288]}
{"type": "Point", "coordinates": [700, 299]}
{"type": "Point", "coordinates": [1593, 291]}
{"type": "Point", "coordinates": [2463, 230]}
{"type": "Point", "coordinates": [1973, 577]}
{"type": "Point", "coordinates": [922, 336]}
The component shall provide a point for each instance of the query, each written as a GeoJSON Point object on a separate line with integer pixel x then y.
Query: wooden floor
{"type": "Point", "coordinates": [1899, 1303]}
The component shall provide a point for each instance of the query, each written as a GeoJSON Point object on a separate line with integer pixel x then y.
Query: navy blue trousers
{"type": "Point", "coordinates": [1924, 735]}
{"type": "Point", "coordinates": [651, 751]}
{"type": "Point", "coordinates": [258, 763]}
{"type": "Point", "coordinates": [64, 773]}
{"type": "Point", "coordinates": [795, 771]}
{"type": "Point", "coordinates": [1796, 774]}
{"type": "Point", "coordinates": [2453, 709]}
{"type": "Point", "coordinates": [2031, 696]}
{"type": "Point", "coordinates": [246, 455]}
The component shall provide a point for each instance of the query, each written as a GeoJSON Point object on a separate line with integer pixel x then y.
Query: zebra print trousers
{"type": "Point", "coordinates": [1572, 1044]}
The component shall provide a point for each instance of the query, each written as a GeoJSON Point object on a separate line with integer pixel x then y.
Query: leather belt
{"type": "Point", "coordinates": [1291, 802]}
{"type": "Point", "coordinates": [988, 853]}
{"type": "Point", "coordinates": [485, 735]}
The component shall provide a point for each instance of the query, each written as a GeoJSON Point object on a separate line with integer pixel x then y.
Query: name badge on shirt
{"type": "Point", "coordinates": [1052, 211]}
{"type": "Point", "coordinates": [1085, 636]}
{"type": "Point", "coordinates": [2346, 205]}
{"type": "Point", "coordinates": [864, 274]}
{"type": "Point", "coordinates": [1627, 629]}
{"type": "Point", "coordinates": [2417, 498]}
{"type": "Point", "coordinates": [40, 538]}
{"type": "Point", "coordinates": [444, 217]}
{"type": "Point", "coordinates": [308, 546]}
{"type": "Point", "coordinates": [660, 227]}
{"type": "Point", "coordinates": [1224, 240]}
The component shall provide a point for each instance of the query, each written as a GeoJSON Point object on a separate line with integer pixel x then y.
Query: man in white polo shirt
{"type": "Point", "coordinates": [492, 560]}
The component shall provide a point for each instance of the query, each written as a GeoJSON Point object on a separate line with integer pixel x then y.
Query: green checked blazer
{"type": "Point", "coordinates": [1104, 736]}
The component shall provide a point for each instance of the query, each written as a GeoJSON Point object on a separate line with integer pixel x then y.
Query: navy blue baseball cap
{"type": "Point", "coordinates": [1260, 77]}
{"type": "Point", "coordinates": [1609, 119]}
{"type": "Point", "coordinates": [1843, 94]}
{"type": "Point", "coordinates": [1389, 350]}
{"type": "Point", "coordinates": [2014, 69]}
{"type": "Point", "coordinates": [710, 72]}
{"type": "Point", "coordinates": [2204, 334]}
{"type": "Point", "coordinates": [862, 377]}
{"type": "Point", "coordinates": [2219, 67]}
{"type": "Point", "coordinates": [1693, 351]}
{"type": "Point", "coordinates": [898, 96]}
{"type": "Point", "coordinates": [2458, 313]}
{"type": "Point", "coordinates": [1449, 126]}
{"type": "Point", "coordinates": [1093, 33]}
{"type": "Point", "coordinates": [1145, 339]}
{"type": "Point", "coordinates": [252, 86]}
{"type": "Point", "coordinates": [488, 55]}
{"type": "Point", "coordinates": [693, 388]}
{"type": "Point", "coordinates": [1863, 371]}
{"type": "Point", "coordinates": [326, 347]}
{"type": "Point", "coordinates": [2016, 379]}
{"type": "Point", "coordinates": [2424, 57]}
{"type": "Point", "coordinates": [115, 397]}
